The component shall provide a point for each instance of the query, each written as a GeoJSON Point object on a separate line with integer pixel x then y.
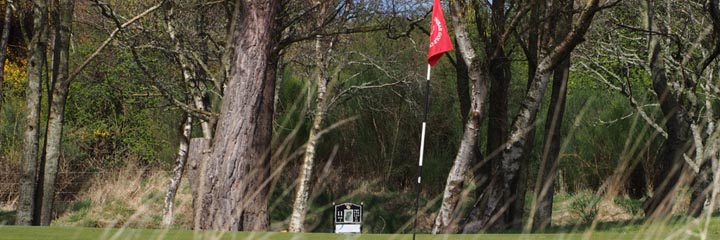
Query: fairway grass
{"type": "Point", "coordinates": [688, 230]}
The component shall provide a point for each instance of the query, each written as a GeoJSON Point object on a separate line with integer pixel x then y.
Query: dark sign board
{"type": "Point", "coordinates": [348, 213]}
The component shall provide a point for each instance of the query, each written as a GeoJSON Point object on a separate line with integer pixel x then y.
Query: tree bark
{"type": "Point", "coordinates": [233, 194]}
{"type": "Point", "coordinates": [670, 159]}
{"type": "Point", "coordinates": [445, 221]}
{"type": "Point", "coordinates": [195, 94]}
{"type": "Point", "coordinates": [302, 193]}
{"type": "Point", "coordinates": [56, 117]}
{"type": "Point", "coordinates": [462, 84]}
{"type": "Point", "coordinates": [37, 47]}
{"type": "Point", "coordinates": [502, 193]}
{"type": "Point", "coordinates": [541, 216]}
{"type": "Point", "coordinates": [3, 44]}
{"type": "Point", "coordinates": [545, 186]}
{"type": "Point", "coordinates": [498, 67]}
{"type": "Point", "coordinates": [500, 76]}
{"type": "Point", "coordinates": [180, 160]}
{"type": "Point", "coordinates": [700, 189]}
{"type": "Point", "coordinates": [198, 153]}
{"type": "Point", "coordinates": [188, 72]}
{"type": "Point", "coordinates": [541, 22]}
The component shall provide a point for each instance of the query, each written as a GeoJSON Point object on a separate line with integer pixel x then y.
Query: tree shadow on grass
{"type": "Point", "coordinates": [7, 217]}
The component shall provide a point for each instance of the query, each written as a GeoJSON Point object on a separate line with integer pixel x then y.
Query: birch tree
{"type": "Point", "coordinates": [38, 46]}
{"type": "Point", "coordinates": [502, 191]}
{"type": "Point", "coordinates": [60, 83]}
{"type": "Point", "coordinates": [177, 173]}
{"type": "Point", "coordinates": [37, 187]}
{"type": "Point", "coordinates": [477, 73]}
{"type": "Point", "coordinates": [195, 93]}
{"type": "Point", "coordinates": [302, 193]}
{"type": "Point", "coordinates": [541, 213]}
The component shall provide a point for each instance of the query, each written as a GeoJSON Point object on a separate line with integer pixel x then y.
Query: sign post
{"type": "Point", "coordinates": [348, 218]}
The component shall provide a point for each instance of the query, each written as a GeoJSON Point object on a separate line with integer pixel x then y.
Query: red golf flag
{"type": "Point", "coordinates": [439, 35]}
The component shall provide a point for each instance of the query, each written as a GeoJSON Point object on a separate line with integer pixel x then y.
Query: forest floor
{"type": "Point", "coordinates": [127, 205]}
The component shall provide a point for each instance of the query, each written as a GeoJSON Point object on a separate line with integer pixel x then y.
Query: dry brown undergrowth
{"type": "Point", "coordinates": [128, 197]}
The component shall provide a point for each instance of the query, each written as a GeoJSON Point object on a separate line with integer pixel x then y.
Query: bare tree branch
{"type": "Point", "coordinates": [119, 28]}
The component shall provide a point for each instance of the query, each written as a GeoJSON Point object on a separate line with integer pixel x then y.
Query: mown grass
{"type": "Point", "coordinates": [670, 229]}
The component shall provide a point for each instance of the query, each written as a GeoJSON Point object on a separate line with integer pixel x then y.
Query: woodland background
{"type": "Point", "coordinates": [633, 104]}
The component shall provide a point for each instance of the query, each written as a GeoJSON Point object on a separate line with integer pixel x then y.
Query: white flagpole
{"type": "Point", "coordinates": [422, 148]}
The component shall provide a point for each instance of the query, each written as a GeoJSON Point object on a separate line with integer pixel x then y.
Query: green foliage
{"type": "Point", "coordinates": [632, 206]}
{"type": "Point", "coordinates": [603, 119]}
{"type": "Point", "coordinates": [120, 123]}
{"type": "Point", "coordinates": [585, 205]}
{"type": "Point", "coordinates": [7, 217]}
{"type": "Point", "coordinates": [11, 129]}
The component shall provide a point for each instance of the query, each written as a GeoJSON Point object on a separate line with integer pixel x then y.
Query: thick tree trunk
{"type": "Point", "coordinates": [446, 219]}
{"type": "Point", "coordinates": [480, 166]}
{"type": "Point", "coordinates": [180, 160]}
{"type": "Point", "coordinates": [60, 85]}
{"type": "Point", "coordinates": [233, 194]}
{"type": "Point", "coordinates": [38, 46]}
{"type": "Point", "coordinates": [3, 44]}
{"type": "Point", "coordinates": [503, 193]}
{"type": "Point", "coordinates": [447, 215]}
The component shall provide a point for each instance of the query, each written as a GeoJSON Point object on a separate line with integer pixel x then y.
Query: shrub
{"type": "Point", "coordinates": [585, 206]}
{"type": "Point", "coordinates": [632, 206]}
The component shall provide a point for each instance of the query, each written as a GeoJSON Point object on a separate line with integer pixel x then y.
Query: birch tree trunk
{"type": "Point", "coordinates": [541, 215]}
{"type": "Point", "coordinates": [37, 48]}
{"type": "Point", "coordinates": [502, 192]}
{"type": "Point", "coordinates": [180, 160]}
{"type": "Point", "coordinates": [302, 193]}
{"type": "Point", "coordinates": [462, 84]}
{"type": "Point", "coordinates": [446, 219]}
{"type": "Point", "coordinates": [3, 44]}
{"type": "Point", "coordinates": [195, 93]}
{"type": "Point", "coordinates": [545, 186]}
{"type": "Point", "coordinates": [56, 117]}
{"type": "Point", "coordinates": [233, 194]}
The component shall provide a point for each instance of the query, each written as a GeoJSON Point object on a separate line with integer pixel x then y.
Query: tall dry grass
{"type": "Point", "coordinates": [129, 197]}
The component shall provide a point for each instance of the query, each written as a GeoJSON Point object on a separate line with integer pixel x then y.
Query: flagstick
{"type": "Point", "coordinates": [422, 149]}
